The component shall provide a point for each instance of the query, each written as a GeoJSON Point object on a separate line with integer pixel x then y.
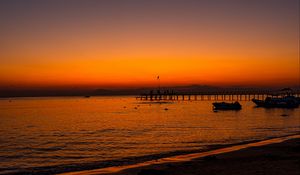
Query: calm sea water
{"type": "Point", "coordinates": [50, 135]}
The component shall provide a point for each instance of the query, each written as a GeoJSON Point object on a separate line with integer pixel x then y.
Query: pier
{"type": "Point", "coordinates": [212, 96]}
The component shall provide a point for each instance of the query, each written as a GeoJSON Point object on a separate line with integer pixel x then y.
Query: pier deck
{"type": "Point", "coordinates": [212, 96]}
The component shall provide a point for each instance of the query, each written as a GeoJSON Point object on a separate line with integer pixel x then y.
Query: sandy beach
{"type": "Point", "coordinates": [279, 158]}
{"type": "Point", "coordinates": [272, 156]}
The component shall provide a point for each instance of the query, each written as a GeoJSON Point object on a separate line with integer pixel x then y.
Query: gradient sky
{"type": "Point", "coordinates": [127, 43]}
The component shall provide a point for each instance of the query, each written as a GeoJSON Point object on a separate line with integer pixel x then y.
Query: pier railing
{"type": "Point", "coordinates": [214, 96]}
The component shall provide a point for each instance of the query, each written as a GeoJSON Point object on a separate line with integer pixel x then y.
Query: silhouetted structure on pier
{"type": "Point", "coordinates": [215, 96]}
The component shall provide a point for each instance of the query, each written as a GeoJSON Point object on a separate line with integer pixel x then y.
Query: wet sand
{"type": "Point", "coordinates": [274, 156]}
{"type": "Point", "coordinates": [274, 159]}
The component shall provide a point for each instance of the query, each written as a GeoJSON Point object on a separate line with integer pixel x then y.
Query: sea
{"type": "Point", "coordinates": [49, 135]}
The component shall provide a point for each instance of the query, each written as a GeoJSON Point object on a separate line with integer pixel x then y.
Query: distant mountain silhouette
{"type": "Point", "coordinates": [111, 92]}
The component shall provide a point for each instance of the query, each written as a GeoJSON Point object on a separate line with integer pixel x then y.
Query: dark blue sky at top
{"type": "Point", "coordinates": [25, 19]}
{"type": "Point", "coordinates": [111, 9]}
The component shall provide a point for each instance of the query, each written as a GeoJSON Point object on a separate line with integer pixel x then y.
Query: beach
{"type": "Point", "coordinates": [275, 156]}
{"type": "Point", "coordinates": [278, 158]}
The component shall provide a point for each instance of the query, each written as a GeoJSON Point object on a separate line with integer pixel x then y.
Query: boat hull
{"type": "Point", "coordinates": [227, 106]}
{"type": "Point", "coordinates": [286, 102]}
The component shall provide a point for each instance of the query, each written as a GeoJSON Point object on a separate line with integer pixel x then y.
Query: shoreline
{"type": "Point", "coordinates": [163, 164]}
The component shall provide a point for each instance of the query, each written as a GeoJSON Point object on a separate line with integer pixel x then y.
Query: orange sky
{"type": "Point", "coordinates": [248, 44]}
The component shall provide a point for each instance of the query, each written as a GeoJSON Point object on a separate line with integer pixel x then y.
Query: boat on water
{"type": "Point", "coordinates": [227, 106]}
{"type": "Point", "coordinates": [279, 102]}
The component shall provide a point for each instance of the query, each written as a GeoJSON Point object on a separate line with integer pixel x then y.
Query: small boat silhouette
{"type": "Point", "coordinates": [227, 106]}
{"type": "Point", "coordinates": [282, 102]}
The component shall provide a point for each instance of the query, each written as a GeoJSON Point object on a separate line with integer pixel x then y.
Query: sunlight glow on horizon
{"type": "Point", "coordinates": [206, 43]}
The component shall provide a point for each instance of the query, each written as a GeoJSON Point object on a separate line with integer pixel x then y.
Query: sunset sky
{"type": "Point", "coordinates": [128, 43]}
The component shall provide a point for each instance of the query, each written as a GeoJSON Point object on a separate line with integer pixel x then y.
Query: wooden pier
{"type": "Point", "coordinates": [212, 96]}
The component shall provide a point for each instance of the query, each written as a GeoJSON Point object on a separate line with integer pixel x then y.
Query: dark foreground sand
{"type": "Point", "coordinates": [274, 159]}
{"type": "Point", "coordinates": [278, 156]}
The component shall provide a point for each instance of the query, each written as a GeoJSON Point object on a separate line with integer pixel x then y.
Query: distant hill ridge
{"type": "Point", "coordinates": [4, 93]}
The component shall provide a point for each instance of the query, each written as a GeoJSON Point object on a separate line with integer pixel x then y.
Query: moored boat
{"type": "Point", "coordinates": [227, 106]}
{"type": "Point", "coordinates": [282, 102]}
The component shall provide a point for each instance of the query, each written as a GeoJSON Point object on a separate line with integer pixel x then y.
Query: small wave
{"type": "Point", "coordinates": [79, 143]}
{"type": "Point", "coordinates": [17, 156]}
{"type": "Point", "coordinates": [65, 157]}
{"type": "Point", "coordinates": [54, 148]}
{"type": "Point", "coordinates": [30, 126]}
{"type": "Point", "coordinates": [101, 131]}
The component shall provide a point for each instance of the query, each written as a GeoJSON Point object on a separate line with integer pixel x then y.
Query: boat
{"type": "Point", "coordinates": [279, 102]}
{"type": "Point", "coordinates": [227, 106]}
